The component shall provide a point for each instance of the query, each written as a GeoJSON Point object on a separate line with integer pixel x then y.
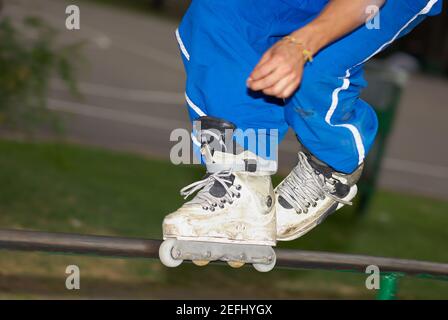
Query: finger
{"type": "Point", "coordinates": [290, 89]}
{"type": "Point", "coordinates": [270, 80]}
{"type": "Point", "coordinates": [267, 67]}
{"type": "Point", "coordinates": [266, 56]}
{"type": "Point", "coordinates": [277, 89]}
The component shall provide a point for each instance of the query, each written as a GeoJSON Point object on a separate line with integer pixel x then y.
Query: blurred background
{"type": "Point", "coordinates": [85, 119]}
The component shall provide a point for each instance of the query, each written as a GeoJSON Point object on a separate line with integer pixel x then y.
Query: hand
{"type": "Point", "coordinates": [279, 71]}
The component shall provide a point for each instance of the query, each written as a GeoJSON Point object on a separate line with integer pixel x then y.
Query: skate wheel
{"type": "Point", "coordinates": [201, 263]}
{"type": "Point", "coordinates": [166, 256]}
{"type": "Point", "coordinates": [265, 267]}
{"type": "Point", "coordinates": [235, 264]}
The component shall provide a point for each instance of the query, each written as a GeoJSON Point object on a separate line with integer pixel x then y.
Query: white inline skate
{"type": "Point", "coordinates": [232, 217]}
{"type": "Point", "coordinates": [309, 194]}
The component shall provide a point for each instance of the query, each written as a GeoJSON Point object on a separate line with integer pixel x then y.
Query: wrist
{"type": "Point", "coordinates": [312, 39]}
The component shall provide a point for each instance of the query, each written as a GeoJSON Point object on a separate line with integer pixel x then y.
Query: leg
{"type": "Point", "coordinates": [232, 217]}
{"type": "Point", "coordinates": [326, 112]}
{"type": "Point", "coordinates": [335, 126]}
{"type": "Point", "coordinates": [221, 42]}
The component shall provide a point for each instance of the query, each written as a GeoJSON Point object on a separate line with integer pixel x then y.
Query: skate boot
{"type": "Point", "coordinates": [309, 194]}
{"type": "Point", "coordinates": [232, 217]}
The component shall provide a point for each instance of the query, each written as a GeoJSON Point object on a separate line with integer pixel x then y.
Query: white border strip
{"type": "Point", "coordinates": [355, 132]}
{"type": "Point", "coordinates": [181, 45]}
{"type": "Point", "coordinates": [195, 140]}
{"type": "Point", "coordinates": [194, 107]}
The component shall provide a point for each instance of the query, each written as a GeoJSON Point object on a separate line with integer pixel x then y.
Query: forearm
{"type": "Point", "coordinates": [339, 18]}
{"type": "Point", "coordinates": [279, 71]}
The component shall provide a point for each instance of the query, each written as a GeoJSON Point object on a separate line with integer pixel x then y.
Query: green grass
{"type": "Point", "coordinates": [59, 187]}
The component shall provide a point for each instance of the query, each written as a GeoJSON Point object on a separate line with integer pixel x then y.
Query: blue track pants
{"type": "Point", "coordinates": [221, 41]}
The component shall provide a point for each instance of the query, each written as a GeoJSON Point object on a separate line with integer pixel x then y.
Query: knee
{"type": "Point", "coordinates": [313, 97]}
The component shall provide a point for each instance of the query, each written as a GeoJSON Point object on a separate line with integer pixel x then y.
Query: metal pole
{"type": "Point", "coordinates": [147, 248]}
{"type": "Point", "coordinates": [388, 287]}
{"type": "Point", "coordinates": [78, 244]}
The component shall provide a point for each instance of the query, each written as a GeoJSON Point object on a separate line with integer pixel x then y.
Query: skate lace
{"type": "Point", "coordinates": [305, 186]}
{"type": "Point", "coordinates": [205, 198]}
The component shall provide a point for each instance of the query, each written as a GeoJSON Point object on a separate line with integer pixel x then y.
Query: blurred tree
{"type": "Point", "coordinates": [157, 4]}
{"type": "Point", "coordinates": [429, 43]}
{"type": "Point", "coordinates": [29, 57]}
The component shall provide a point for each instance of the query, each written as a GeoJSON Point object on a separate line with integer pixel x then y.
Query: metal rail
{"type": "Point", "coordinates": [146, 248]}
